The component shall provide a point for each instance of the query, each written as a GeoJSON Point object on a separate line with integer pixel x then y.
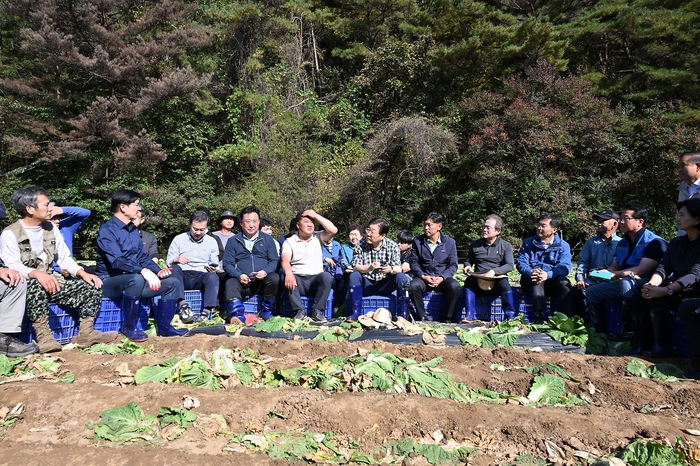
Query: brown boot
{"type": "Point", "coordinates": [87, 335]}
{"type": "Point", "coordinates": [44, 336]}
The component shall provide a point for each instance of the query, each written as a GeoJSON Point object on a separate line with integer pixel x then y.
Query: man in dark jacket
{"type": "Point", "coordinates": [433, 264]}
{"type": "Point", "coordinates": [251, 259]}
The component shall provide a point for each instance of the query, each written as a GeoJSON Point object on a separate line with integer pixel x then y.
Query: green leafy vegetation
{"type": "Point", "coordinates": [664, 371]}
{"type": "Point", "coordinates": [125, 347]}
{"type": "Point", "coordinates": [45, 367]}
{"type": "Point", "coordinates": [331, 448]}
{"type": "Point", "coordinates": [505, 333]}
{"type": "Point", "coordinates": [385, 372]}
{"type": "Point", "coordinates": [572, 331]}
{"type": "Point", "coordinates": [125, 424]}
{"type": "Point", "coordinates": [650, 453]}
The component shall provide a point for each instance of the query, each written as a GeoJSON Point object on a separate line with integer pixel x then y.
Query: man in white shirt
{"type": "Point", "coordinates": [29, 246]}
{"type": "Point", "coordinates": [194, 258]}
{"type": "Point", "coordinates": [302, 264]}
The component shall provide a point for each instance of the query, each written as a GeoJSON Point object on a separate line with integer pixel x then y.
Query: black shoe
{"type": "Point", "coordinates": [185, 313]}
{"type": "Point", "coordinates": [318, 316]}
{"type": "Point", "coordinates": [13, 348]}
{"type": "Point", "coordinates": [204, 316]}
{"type": "Point", "coordinates": [300, 315]}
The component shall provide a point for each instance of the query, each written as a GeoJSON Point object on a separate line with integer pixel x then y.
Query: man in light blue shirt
{"type": "Point", "coordinates": [194, 257]}
{"type": "Point", "coordinates": [598, 253]}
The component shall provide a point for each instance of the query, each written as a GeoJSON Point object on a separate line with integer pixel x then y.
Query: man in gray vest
{"type": "Point", "coordinates": [29, 246]}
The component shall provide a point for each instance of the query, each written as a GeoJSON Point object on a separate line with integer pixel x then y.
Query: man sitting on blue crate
{"type": "Point", "coordinates": [376, 265]}
{"type": "Point", "coordinates": [544, 261]}
{"type": "Point", "coordinates": [13, 293]}
{"type": "Point", "coordinates": [637, 255]}
{"type": "Point", "coordinates": [491, 258]}
{"type": "Point", "coordinates": [194, 258]}
{"type": "Point", "coordinates": [433, 265]}
{"type": "Point", "coordinates": [250, 260]}
{"type": "Point", "coordinates": [29, 246]}
{"type": "Point", "coordinates": [597, 254]}
{"type": "Point", "coordinates": [302, 264]}
{"type": "Point", "coordinates": [128, 273]}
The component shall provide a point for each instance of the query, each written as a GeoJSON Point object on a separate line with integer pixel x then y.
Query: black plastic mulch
{"type": "Point", "coordinates": [530, 340]}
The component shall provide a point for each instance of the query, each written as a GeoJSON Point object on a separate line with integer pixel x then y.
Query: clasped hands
{"type": "Point", "coordinates": [538, 276]}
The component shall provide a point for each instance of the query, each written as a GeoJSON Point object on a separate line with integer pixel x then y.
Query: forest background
{"type": "Point", "coordinates": [357, 108]}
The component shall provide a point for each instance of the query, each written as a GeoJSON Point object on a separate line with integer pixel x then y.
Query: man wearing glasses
{"type": "Point", "coordinates": [376, 265]}
{"type": "Point", "coordinates": [194, 258]}
{"type": "Point", "coordinates": [129, 275]}
{"type": "Point", "coordinates": [636, 256]}
{"type": "Point", "coordinates": [250, 260]}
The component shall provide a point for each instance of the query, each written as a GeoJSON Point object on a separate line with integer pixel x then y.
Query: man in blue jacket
{"type": "Point", "coordinates": [544, 261]}
{"type": "Point", "coordinates": [250, 259]}
{"type": "Point", "coordinates": [433, 264]}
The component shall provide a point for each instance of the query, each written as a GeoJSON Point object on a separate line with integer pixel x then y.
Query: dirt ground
{"type": "Point", "coordinates": [53, 428]}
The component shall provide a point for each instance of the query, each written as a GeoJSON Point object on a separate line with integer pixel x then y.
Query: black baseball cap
{"type": "Point", "coordinates": [606, 215]}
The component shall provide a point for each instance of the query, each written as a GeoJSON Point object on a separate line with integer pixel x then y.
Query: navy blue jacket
{"type": "Point", "coordinates": [441, 263]}
{"type": "Point", "coordinates": [120, 250]}
{"type": "Point", "coordinates": [238, 260]}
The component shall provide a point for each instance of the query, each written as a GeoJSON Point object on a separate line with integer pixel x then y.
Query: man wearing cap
{"type": "Point", "coordinates": [597, 254]}
{"type": "Point", "coordinates": [544, 261]}
{"type": "Point", "coordinates": [433, 264]}
{"type": "Point", "coordinates": [636, 256]}
{"type": "Point", "coordinates": [227, 222]}
{"type": "Point", "coordinates": [490, 257]}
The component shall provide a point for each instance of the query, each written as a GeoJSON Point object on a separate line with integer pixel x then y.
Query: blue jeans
{"type": "Point", "coordinates": [383, 287]}
{"type": "Point", "coordinates": [613, 291]}
{"type": "Point", "coordinates": [134, 285]}
{"type": "Point", "coordinates": [208, 282]}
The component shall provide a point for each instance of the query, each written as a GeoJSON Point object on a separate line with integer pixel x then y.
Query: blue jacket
{"type": "Point", "coordinates": [335, 253]}
{"type": "Point", "coordinates": [440, 263]}
{"type": "Point", "coordinates": [555, 260]}
{"type": "Point", "coordinates": [238, 260]}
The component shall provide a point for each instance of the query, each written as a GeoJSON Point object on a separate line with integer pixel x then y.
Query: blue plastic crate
{"type": "Point", "coordinates": [372, 303]}
{"type": "Point", "coordinates": [252, 305]}
{"type": "Point", "coordinates": [434, 305]}
{"type": "Point", "coordinates": [308, 302]}
{"type": "Point", "coordinates": [489, 308]}
{"type": "Point", "coordinates": [551, 305]}
{"type": "Point", "coordinates": [194, 298]}
{"type": "Point", "coordinates": [63, 322]}
{"type": "Point", "coordinates": [680, 341]}
{"type": "Point", "coordinates": [615, 324]}
{"type": "Point", "coordinates": [111, 315]}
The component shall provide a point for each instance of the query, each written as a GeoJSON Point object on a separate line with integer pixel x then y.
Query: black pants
{"type": "Point", "coordinates": [558, 287]}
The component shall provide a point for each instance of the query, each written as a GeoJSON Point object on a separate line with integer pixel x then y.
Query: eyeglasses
{"type": "Point", "coordinates": [374, 232]}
